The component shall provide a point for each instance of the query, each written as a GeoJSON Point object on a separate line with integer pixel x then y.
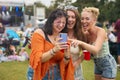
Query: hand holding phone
{"type": "Point", "coordinates": [64, 37]}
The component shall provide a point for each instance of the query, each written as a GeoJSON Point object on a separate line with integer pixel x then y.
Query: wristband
{"type": "Point", "coordinates": [52, 52]}
{"type": "Point", "coordinates": [67, 57]}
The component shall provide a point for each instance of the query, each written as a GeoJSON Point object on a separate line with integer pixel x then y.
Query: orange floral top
{"type": "Point", "coordinates": [39, 45]}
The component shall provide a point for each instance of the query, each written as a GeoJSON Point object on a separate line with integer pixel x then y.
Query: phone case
{"type": "Point", "coordinates": [64, 37]}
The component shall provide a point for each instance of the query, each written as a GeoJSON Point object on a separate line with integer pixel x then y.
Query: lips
{"type": "Point", "coordinates": [84, 26]}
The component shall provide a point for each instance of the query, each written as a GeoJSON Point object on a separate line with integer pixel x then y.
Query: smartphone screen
{"type": "Point", "coordinates": [64, 37]}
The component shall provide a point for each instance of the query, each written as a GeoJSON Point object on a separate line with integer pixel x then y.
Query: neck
{"type": "Point", "coordinates": [70, 34]}
{"type": "Point", "coordinates": [55, 34]}
{"type": "Point", "coordinates": [92, 31]}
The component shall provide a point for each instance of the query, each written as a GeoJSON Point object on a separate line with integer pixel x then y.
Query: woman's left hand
{"type": "Point", "coordinates": [74, 42]}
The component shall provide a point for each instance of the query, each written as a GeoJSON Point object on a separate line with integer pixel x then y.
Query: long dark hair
{"type": "Point", "coordinates": [78, 33]}
{"type": "Point", "coordinates": [48, 27]}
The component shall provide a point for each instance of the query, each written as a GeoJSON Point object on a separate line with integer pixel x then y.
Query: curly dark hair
{"type": "Point", "coordinates": [78, 33]}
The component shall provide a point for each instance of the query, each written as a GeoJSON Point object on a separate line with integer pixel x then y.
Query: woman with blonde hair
{"type": "Point", "coordinates": [105, 64]}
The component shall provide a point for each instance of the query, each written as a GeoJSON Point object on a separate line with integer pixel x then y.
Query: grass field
{"type": "Point", "coordinates": [17, 70]}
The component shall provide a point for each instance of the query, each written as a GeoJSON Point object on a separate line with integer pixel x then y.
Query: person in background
{"type": "Point", "coordinates": [46, 58]}
{"type": "Point", "coordinates": [2, 34]}
{"type": "Point", "coordinates": [27, 34]}
{"type": "Point", "coordinates": [2, 28]}
{"type": "Point", "coordinates": [23, 55]}
{"type": "Point", "coordinates": [3, 58]}
{"type": "Point", "coordinates": [112, 43]}
{"type": "Point", "coordinates": [105, 64]}
{"type": "Point", "coordinates": [112, 27]}
{"type": "Point", "coordinates": [117, 30]}
{"type": "Point", "coordinates": [75, 32]}
{"type": "Point", "coordinates": [22, 26]}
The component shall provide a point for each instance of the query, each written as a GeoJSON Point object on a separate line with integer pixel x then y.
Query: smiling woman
{"type": "Point", "coordinates": [97, 45]}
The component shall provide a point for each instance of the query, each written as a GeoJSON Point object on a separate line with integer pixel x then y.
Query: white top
{"type": "Point", "coordinates": [75, 53]}
{"type": "Point", "coordinates": [112, 37]}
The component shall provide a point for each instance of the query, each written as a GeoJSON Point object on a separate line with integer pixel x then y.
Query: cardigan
{"type": "Point", "coordinates": [40, 45]}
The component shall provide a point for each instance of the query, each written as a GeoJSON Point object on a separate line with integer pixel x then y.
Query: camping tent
{"type": "Point", "coordinates": [12, 2]}
{"type": "Point", "coordinates": [16, 2]}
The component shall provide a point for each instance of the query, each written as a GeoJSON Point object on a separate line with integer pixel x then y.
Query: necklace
{"type": "Point", "coordinates": [52, 38]}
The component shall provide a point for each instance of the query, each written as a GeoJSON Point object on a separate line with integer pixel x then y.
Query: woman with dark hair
{"type": "Point", "coordinates": [117, 30]}
{"type": "Point", "coordinates": [46, 59]}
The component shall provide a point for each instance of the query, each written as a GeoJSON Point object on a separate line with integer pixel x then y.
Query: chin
{"type": "Point", "coordinates": [84, 29]}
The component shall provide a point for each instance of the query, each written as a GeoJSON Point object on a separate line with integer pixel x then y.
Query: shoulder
{"type": "Point", "coordinates": [101, 30]}
{"type": "Point", "coordinates": [39, 31]}
{"type": "Point", "coordinates": [101, 33]}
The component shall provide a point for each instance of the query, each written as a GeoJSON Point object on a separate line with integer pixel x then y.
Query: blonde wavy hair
{"type": "Point", "coordinates": [93, 10]}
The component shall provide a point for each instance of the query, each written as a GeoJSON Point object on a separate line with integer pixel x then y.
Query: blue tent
{"type": "Point", "coordinates": [12, 34]}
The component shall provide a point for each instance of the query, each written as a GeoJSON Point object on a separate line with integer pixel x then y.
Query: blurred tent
{"type": "Point", "coordinates": [16, 2]}
{"type": "Point", "coordinates": [12, 12]}
{"type": "Point", "coordinates": [12, 2]}
{"type": "Point", "coordinates": [12, 34]}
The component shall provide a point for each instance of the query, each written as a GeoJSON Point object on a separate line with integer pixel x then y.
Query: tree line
{"type": "Point", "coordinates": [109, 10]}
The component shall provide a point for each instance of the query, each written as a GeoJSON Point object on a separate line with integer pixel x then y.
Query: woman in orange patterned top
{"type": "Point", "coordinates": [47, 59]}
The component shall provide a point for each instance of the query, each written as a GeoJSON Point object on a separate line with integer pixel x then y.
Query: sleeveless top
{"type": "Point", "coordinates": [104, 50]}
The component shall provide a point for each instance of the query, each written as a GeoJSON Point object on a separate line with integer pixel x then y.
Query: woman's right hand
{"type": "Point", "coordinates": [58, 45]}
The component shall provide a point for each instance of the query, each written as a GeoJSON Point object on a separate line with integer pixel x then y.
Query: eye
{"type": "Point", "coordinates": [82, 18]}
{"type": "Point", "coordinates": [87, 18]}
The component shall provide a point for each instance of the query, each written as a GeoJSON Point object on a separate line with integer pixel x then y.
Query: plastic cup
{"type": "Point", "coordinates": [86, 55]}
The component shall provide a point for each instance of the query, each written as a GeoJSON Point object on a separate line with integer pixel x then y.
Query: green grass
{"type": "Point", "coordinates": [88, 70]}
{"type": "Point", "coordinates": [17, 70]}
{"type": "Point", "coordinates": [13, 70]}
{"type": "Point", "coordinates": [87, 67]}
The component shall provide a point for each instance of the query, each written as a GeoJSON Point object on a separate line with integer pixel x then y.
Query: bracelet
{"type": "Point", "coordinates": [67, 57]}
{"type": "Point", "coordinates": [52, 52]}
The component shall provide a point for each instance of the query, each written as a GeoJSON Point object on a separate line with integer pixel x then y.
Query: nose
{"type": "Point", "coordinates": [83, 20]}
{"type": "Point", "coordinates": [69, 19]}
{"type": "Point", "coordinates": [61, 24]}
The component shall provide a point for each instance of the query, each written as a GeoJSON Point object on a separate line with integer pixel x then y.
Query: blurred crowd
{"type": "Point", "coordinates": [11, 48]}
{"type": "Point", "coordinates": [9, 51]}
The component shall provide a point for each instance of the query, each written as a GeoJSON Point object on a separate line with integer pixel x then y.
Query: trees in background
{"type": "Point", "coordinates": [109, 10]}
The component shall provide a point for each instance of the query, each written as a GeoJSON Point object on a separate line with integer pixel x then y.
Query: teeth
{"type": "Point", "coordinates": [84, 25]}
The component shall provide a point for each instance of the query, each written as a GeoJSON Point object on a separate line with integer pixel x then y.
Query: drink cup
{"type": "Point", "coordinates": [86, 55]}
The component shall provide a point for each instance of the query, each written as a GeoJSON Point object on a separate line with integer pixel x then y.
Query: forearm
{"type": "Point", "coordinates": [66, 56]}
{"type": "Point", "coordinates": [48, 55]}
{"type": "Point", "coordinates": [91, 48]}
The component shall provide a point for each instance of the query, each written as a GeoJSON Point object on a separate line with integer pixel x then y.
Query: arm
{"type": "Point", "coordinates": [100, 38]}
{"type": "Point", "coordinates": [67, 55]}
{"type": "Point", "coordinates": [57, 46]}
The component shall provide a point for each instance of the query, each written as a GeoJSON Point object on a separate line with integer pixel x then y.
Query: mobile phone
{"type": "Point", "coordinates": [64, 37]}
